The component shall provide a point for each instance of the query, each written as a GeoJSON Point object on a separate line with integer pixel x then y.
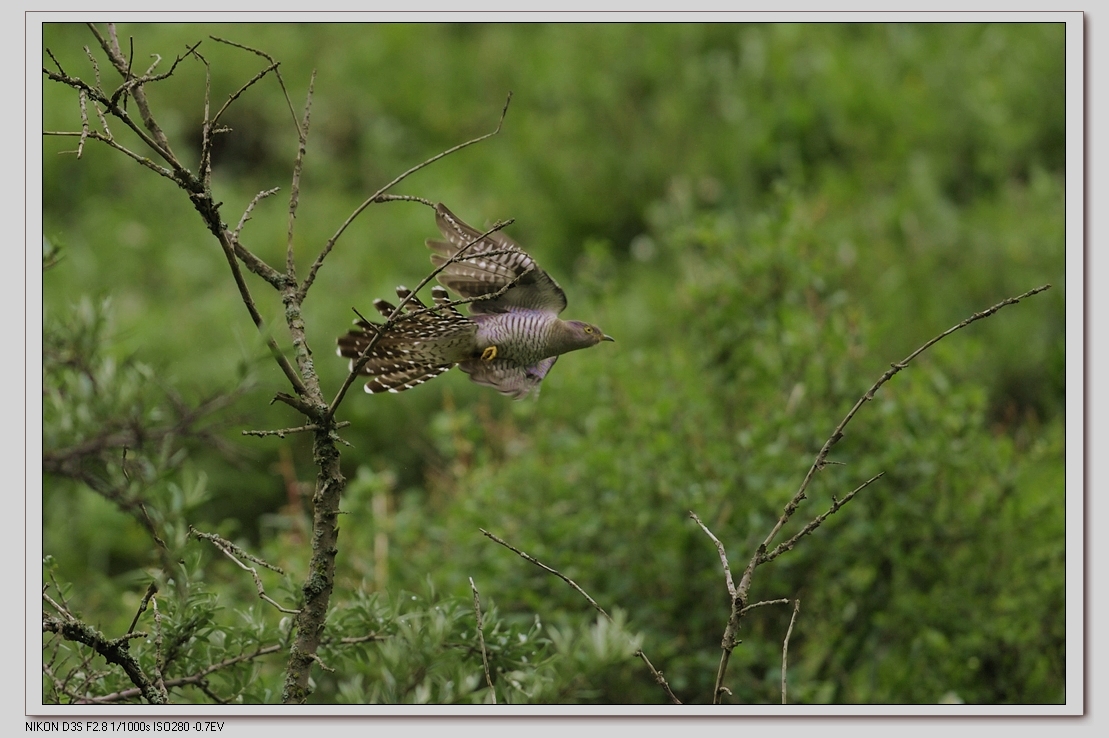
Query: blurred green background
{"type": "Point", "coordinates": [764, 216]}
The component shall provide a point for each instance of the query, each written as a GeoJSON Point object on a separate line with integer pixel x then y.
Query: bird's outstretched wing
{"type": "Point", "coordinates": [488, 265]}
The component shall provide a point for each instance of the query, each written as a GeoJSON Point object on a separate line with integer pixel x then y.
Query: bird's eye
{"type": "Point", "coordinates": [588, 329]}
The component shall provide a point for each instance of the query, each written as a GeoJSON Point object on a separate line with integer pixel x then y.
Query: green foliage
{"type": "Point", "coordinates": [427, 651]}
{"type": "Point", "coordinates": [764, 216]}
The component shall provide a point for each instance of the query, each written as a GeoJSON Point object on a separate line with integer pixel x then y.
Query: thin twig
{"type": "Point", "coordinates": [638, 653]}
{"type": "Point", "coordinates": [151, 590]}
{"type": "Point", "coordinates": [764, 603]}
{"type": "Point", "coordinates": [316, 657]}
{"type": "Point", "coordinates": [405, 198]}
{"type": "Point", "coordinates": [481, 641]}
{"type": "Point", "coordinates": [204, 687]}
{"type": "Point", "coordinates": [720, 550]}
{"type": "Point", "coordinates": [291, 296]}
{"type": "Point", "coordinates": [208, 126]}
{"type": "Point", "coordinates": [282, 432]}
{"type": "Point", "coordinates": [83, 100]}
{"type": "Point", "coordinates": [277, 71]}
{"type": "Point", "coordinates": [132, 82]}
{"type": "Point", "coordinates": [294, 194]}
{"type": "Point", "coordinates": [95, 65]}
{"type": "Point", "coordinates": [57, 587]}
{"type": "Point", "coordinates": [233, 552]}
{"type": "Point", "coordinates": [159, 656]}
{"type": "Point", "coordinates": [301, 406]}
{"type": "Point", "coordinates": [781, 548]}
{"type": "Point", "coordinates": [97, 136]}
{"type": "Point", "coordinates": [229, 253]}
{"type": "Point", "coordinates": [209, 129]}
{"type": "Point", "coordinates": [61, 71]}
{"type": "Point", "coordinates": [237, 93]}
{"type": "Point", "coordinates": [785, 646]}
{"type": "Point", "coordinates": [547, 569]}
{"type": "Point", "coordinates": [355, 640]}
{"type": "Point", "coordinates": [249, 209]}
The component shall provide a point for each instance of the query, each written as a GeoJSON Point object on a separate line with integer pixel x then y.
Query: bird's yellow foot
{"type": "Point", "coordinates": [489, 354]}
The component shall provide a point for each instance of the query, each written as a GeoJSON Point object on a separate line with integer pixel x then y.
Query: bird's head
{"type": "Point", "coordinates": [584, 335]}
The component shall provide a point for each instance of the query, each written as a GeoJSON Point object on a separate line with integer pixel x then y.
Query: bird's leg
{"type": "Point", "coordinates": [489, 354]}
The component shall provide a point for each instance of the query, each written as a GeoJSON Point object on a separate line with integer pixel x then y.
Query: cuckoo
{"type": "Point", "coordinates": [509, 341]}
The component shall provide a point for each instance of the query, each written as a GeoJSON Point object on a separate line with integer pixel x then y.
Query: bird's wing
{"type": "Point", "coordinates": [508, 378]}
{"type": "Point", "coordinates": [489, 265]}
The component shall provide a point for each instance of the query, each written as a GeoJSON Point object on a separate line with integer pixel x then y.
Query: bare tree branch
{"type": "Point", "coordinates": [113, 651]}
{"type": "Point", "coordinates": [812, 525]}
{"type": "Point", "coordinates": [837, 434]}
{"type": "Point", "coordinates": [764, 603]}
{"type": "Point", "coordinates": [159, 142]}
{"type": "Point", "coordinates": [547, 569]}
{"type": "Point", "coordinates": [151, 590]}
{"type": "Point", "coordinates": [282, 432]}
{"type": "Point", "coordinates": [294, 195]}
{"type": "Point", "coordinates": [233, 552]}
{"type": "Point", "coordinates": [159, 656]}
{"type": "Point", "coordinates": [405, 198]}
{"type": "Point", "coordinates": [481, 641]}
{"type": "Point", "coordinates": [249, 209]}
{"type": "Point", "coordinates": [277, 72]}
{"type": "Point", "coordinates": [97, 136]}
{"type": "Point", "coordinates": [720, 550]}
{"type": "Point", "coordinates": [785, 646]}
{"type": "Point", "coordinates": [397, 180]}
{"type": "Point", "coordinates": [760, 556]}
{"type": "Point", "coordinates": [199, 192]}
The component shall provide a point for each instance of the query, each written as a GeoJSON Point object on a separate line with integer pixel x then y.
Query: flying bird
{"type": "Point", "coordinates": [509, 341]}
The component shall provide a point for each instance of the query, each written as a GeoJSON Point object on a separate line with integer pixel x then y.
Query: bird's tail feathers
{"type": "Point", "coordinates": [420, 344]}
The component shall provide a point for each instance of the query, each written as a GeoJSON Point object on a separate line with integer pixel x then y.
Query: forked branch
{"type": "Point", "coordinates": [311, 619]}
{"type": "Point", "coordinates": [739, 593]}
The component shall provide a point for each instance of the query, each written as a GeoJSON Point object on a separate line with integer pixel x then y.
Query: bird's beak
{"type": "Point", "coordinates": [607, 338]}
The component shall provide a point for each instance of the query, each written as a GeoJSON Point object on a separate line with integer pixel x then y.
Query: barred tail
{"type": "Point", "coordinates": [421, 344]}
